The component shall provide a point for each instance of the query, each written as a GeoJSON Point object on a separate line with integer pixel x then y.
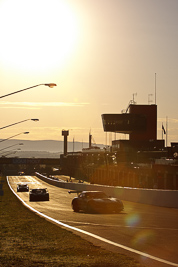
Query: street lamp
{"type": "Point", "coordinates": [3, 156]}
{"type": "Point", "coordinates": [20, 144]}
{"type": "Point", "coordinates": [51, 85]}
{"type": "Point", "coordinates": [18, 123]}
{"type": "Point", "coordinates": [12, 150]}
{"type": "Point", "coordinates": [13, 136]}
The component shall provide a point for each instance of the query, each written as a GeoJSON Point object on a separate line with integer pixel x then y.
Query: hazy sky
{"type": "Point", "coordinates": [98, 52]}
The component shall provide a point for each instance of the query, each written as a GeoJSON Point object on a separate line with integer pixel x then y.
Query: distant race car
{"type": "Point", "coordinates": [21, 173]}
{"type": "Point", "coordinates": [96, 202]}
{"type": "Point", "coordinates": [39, 194]}
{"type": "Point", "coordinates": [22, 188]}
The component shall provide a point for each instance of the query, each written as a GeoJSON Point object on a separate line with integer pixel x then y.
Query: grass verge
{"type": "Point", "coordinates": [29, 240]}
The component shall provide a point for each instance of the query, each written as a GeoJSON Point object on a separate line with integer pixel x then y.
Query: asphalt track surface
{"type": "Point", "coordinates": [147, 233]}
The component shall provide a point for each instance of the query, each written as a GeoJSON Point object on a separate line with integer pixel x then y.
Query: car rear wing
{"type": "Point", "coordinates": [74, 191]}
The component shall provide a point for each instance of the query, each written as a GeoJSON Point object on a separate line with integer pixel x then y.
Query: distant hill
{"type": "Point", "coordinates": [40, 148]}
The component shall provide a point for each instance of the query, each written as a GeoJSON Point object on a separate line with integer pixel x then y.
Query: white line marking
{"type": "Point", "coordinates": [93, 235]}
{"type": "Point", "coordinates": [119, 226]}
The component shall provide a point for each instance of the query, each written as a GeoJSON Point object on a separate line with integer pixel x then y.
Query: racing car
{"type": "Point", "coordinates": [21, 173]}
{"type": "Point", "coordinates": [22, 188]}
{"type": "Point", "coordinates": [95, 202]}
{"type": "Point", "coordinates": [39, 194]}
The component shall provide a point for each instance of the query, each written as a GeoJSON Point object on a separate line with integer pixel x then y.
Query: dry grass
{"type": "Point", "coordinates": [29, 240]}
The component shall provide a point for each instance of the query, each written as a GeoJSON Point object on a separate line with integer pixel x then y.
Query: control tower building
{"type": "Point", "coordinates": [140, 123]}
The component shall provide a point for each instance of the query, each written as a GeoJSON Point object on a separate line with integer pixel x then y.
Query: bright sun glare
{"type": "Point", "coordinates": [37, 35]}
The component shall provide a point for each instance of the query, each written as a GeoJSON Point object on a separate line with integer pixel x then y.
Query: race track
{"type": "Point", "coordinates": [147, 233]}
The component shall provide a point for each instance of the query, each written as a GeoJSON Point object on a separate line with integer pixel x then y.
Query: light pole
{"type": "Point", "coordinates": [18, 123]}
{"type": "Point", "coordinates": [13, 136]}
{"type": "Point", "coordinates": [8, 154]}
{"type": "Point", "coordinates": [51, 85]}
{"type": "Point", "coordinates": [12, 150]}
{"type": "Point", "coordinates": [20, 144]}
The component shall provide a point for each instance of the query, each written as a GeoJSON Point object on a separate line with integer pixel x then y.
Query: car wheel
{"type": "Point", "coordinates": [118, 209]}
{"type": "Point", "coordinates": [75, 206]}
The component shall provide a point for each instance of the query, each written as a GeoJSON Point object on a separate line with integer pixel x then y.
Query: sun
{"type": "Point", "coordinates": [37, 35]}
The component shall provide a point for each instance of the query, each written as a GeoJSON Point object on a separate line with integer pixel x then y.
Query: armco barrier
{"type": "Point", "coordinates": [156, 197]}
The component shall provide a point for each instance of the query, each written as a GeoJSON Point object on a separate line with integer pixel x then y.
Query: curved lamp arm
{"type": "Point", "coordinates": [20, 144]}
{"type": "Point", "coordinates": [51, 85]}
{"type": "Point", "coordinates": [13, 136]}
{"type": "Point", "coordinates": [18, 123]}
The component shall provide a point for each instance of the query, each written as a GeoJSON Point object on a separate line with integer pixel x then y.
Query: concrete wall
{"type": "Point", "coordinates": [156, 197]}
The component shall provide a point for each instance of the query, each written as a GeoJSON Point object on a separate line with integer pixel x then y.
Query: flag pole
{"type": "Point", "coordinates": [155, 88]}
{"type": "Point", "coordinates": [166, 130]}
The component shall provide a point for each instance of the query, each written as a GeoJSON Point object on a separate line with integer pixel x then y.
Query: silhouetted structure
{"type": "Point", "coordinates": [65, 134]}
{"type": "Point", "coordinates": [139, 161]}
{"type": "Point", "coordinates": [141, 125]}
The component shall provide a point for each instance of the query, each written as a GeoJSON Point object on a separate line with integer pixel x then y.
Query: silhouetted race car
{"type": "Point", "coordinates": [22, 188]}
{"type": "Point", "coordinates": [21, 173]}
{"type": "Point", "coordinates": [39, 194]}
{"type": "Point", "coordinates": [95, 202]}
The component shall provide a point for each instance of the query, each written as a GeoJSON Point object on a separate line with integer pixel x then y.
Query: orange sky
{"type": "Point", "coordinates": [98, 52]}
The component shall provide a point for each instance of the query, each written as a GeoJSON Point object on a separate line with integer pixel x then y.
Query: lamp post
{"type": "Point", "coordinates": [18, 123]}
{"type": "Point", "coordinates": [20, 144]}
{"type": "Point", "coordinates": [8, 154]}
{"type": "Point", "coordinates": [13, 136]}
{"type": "Point", "coordinates": [12, 150]}
{"type": "Point", "coordinates": [51, 85]}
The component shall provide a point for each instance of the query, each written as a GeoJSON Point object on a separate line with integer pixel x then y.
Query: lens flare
{"type": "Point", "coordinates": [132, 220]}
{"type": "Point", "coordinates": [142, 238]}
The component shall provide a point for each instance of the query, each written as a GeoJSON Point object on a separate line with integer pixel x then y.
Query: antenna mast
{"type": "Point", "coordinates": [155, 88]}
